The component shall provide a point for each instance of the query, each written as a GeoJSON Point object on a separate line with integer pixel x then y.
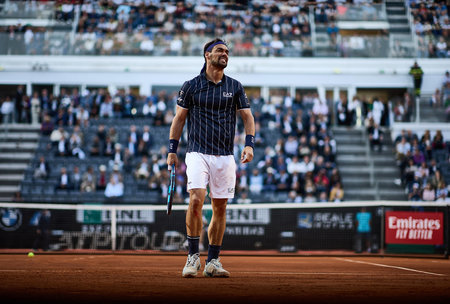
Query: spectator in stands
{"type": "Point", "coordinates": [409, 172]}
{"type": "Point", "coordinates": [42, 169]}
{"type": "Point", "coordinates": [143, 169]}
{"type": "Point", "coordinates": [438, 142]}
{"type": "Point", "coordinates": [306, 165]}
{"type": "Point", "coordinates": [423, 172]}
{"type": "Point", "coordinates": [294, 197]}
{"type": "Point", "coordinates": [442, 193]}
{"type": "Point", "coordinates": [142, 149]}
{"type": "Point", "coordinates": [89, 180]}
{"type": "Point", "coordinates": [284, 180]}
{"type": "Point", "coordinates": [116, 173]}
{"type": "Point", "coordinates": [96, 147]}
{"type": "Point", "coordinates": [20, 95]}
{"type": "Point", "coordinates": [343, 114]}
{"type": "Point", "coordinates": [329, 157]}
{"type": "Point", "coordinates": [402, 148]}
{"type": "Point", "coordinates": [134, 134]}
{"type": "Point", "coordinates": [428, 193]}
{"type": "Point", "coordinates": [108, 148]}
{"type": "Point", "coordinates": [291, 146]}
{"type": "Point", "coordinates": [322, 181]}
{"type": "Point", "coordinates": [414, 193]}
{"type": "Point", "coordinates": [309, 191]}
{"type": "Point", "coordinates": [7, 110]}
{"type": "Point", "coordinates": [378, 111]}
{"type": "Point", "coordinates": [435, 99]}
{"type": "Point", "coordinates": [64, 182]}
{"type": "Point", "coordinates": [75, 145]}
{"type": "Point", "coordinates": [418, 157]}
{"type": "Point", "coordinates": [336, 193]}
{"type": "Point", "coordinates": [82, 117]}
{"type": "Point", "coordinates": [117, 157]}
{"type": "Point", "coordinates": [75, 178]}
{"type": "Point", "coordinates": [332, 31]}
{"type": "Point", "coordinates": [376, 137]}
{"type": "Point", "coordinates": [47, 125]}
{"type": "Point", "coordinates": [294, 166]}
{"type": "Point", "coordinates": [35, 104]}
{"type": "Point", "coordinates": [441, 48]}
{"type": "Point", "coordinates": [106, 108]}
{"type": "Point", "coordinates": [425, 143]}
{"type": "Point", "coordinates": [335, 177]}
{"type": "Point", "coordinates": [159, 118]}
{"type": "Point", "coordinates": [149, 108]}
{"type": "Point", "coordinates": [270, 181]}
{"type": "Point", "coordinates": [256, 182]}
{"type": "Point", "coordinates": [62, 147]}
{"type": "Point", "coordinates": [146, 137]}
{"type": "Point", "coordinates": [437, 179]}
{"type": "Point", "coordinates": [102, 178]}
{"type": "Point", "coordinates": [114, 189]}
{"type": "Point", "coordinates": [132, 146]}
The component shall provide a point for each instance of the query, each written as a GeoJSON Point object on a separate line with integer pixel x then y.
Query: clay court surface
{"type": "Point", "coordinates": [128, 278]}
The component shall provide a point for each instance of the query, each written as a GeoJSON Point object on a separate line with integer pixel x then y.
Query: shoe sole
{"type": "Point", "coordinates": [211, 275]}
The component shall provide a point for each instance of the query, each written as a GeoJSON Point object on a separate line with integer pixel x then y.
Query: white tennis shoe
{"type": "Point", "coordinates": [214, 269]}
{"type": "Point", "coordinates": [192, 266]}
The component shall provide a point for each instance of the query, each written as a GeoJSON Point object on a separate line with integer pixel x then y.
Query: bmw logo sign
{"type": "Point", "coordinates": [10, 219]}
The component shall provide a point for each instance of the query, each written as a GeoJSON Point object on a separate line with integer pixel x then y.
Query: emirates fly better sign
{"type": "Point", "coordinates": [420, 228]}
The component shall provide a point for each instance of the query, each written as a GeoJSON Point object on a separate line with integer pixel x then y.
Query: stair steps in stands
{"type": "Point", "coordinates": [18, 143]}
{"type": "Point", "coordinates": [366, 175]}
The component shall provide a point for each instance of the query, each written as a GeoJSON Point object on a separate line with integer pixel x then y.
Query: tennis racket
{"type": "Point", "coordinates": [171, 189]}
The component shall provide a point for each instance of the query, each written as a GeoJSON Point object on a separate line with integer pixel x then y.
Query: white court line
{"type": "Point", "coordinates": [390, 266]}
{"type": "Point", "coordinates": [305, 273]}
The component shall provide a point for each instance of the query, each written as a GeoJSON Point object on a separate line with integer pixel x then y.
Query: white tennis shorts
{"type": "Point", "coordinates": [219, 171]}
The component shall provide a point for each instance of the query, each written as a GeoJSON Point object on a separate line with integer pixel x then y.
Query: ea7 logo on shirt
{"type": "Point", "coordinates": [227, 94]}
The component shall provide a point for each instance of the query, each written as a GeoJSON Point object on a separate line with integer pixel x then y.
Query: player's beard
{"type": "Point", "coordinates": [217, 64]}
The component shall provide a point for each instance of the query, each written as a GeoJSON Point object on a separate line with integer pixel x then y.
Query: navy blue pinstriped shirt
{"type": "Point", "coordinates": [212, 113]}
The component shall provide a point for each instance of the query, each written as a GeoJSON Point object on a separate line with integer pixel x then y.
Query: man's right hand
{"type": "Point", "coordinates": [172, 159]}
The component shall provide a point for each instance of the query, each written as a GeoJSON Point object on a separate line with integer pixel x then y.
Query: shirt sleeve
{"type": "Point", "coordinates": [184, 96]}
{"type": "Point", "coordinates": [241, 98]}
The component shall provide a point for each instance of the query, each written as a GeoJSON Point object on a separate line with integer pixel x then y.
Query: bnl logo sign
{"type": "Point", "coordinates": [248, 216]}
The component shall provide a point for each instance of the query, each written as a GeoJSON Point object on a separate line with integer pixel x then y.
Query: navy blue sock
{"type": "Point", "coordinates": [193, 242]}
{"type": "Point", "coordinates": [213, 252]}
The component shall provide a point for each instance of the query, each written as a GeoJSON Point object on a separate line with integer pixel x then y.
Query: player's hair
{"type": "Point", "coordinates": [212, 42]}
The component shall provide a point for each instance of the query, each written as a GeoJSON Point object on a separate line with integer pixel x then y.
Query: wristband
{"type": "Point", "coordinates": [250, 141]}
{"type": "Point", "coordinates": [173, 145]}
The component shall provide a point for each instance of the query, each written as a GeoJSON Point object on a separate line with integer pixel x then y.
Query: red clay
{"type": "Point", "coordinates": [74, 278]}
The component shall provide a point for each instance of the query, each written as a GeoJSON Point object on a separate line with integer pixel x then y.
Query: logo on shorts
{"type": "Point", "coordinates": [227, 94]}
{"type": "Point", "coordinates": [10, 219]}
{"type": "Point", "coordinates": [230, 190]}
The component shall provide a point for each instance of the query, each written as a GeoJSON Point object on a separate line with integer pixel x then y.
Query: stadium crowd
{"type": "Point", "coordinates": [422, 162]}
{"type": "Point", "coordinates": [97, 141]}
{"type": "Point", "coordinates": [432, 26]}
{"type": "Point", "coordinates": [253, 28]}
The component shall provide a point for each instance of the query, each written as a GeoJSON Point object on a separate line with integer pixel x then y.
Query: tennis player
{"type": "Point", "coordinates": [210, 103]}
